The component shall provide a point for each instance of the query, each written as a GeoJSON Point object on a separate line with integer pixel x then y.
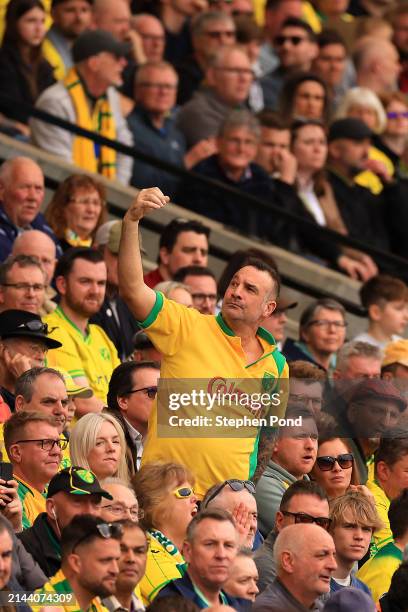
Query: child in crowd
{"type": "Point", "coordinates": [386, 301]}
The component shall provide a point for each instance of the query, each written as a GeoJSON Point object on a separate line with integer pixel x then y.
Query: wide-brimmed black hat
{"type": "Point", "coordinates": [23, 324]}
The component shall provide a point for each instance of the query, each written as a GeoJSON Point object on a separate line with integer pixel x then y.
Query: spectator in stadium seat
{"type": "Point", "coordinates": [21, 195]}
{"type": "Point", "coordinates": [90, 553]}
{"type": "Point", "coordinates": [203, 287]}
{"type": "Point", "coordinates": [303, 502]}
{"type": "Point", "coordinates": [228, 80]}
{"type": "Point", "coordinates": [292, 458]}
{"type": "Point", "coordinates": [34, 243]}
{"type": "Point", "coordinates": [132, 565]}
{"type": "Point", "coordinates": [210, 31]}
{"type": "Point", "coordinates": [377, 572]}
{"type": "Point", "coordinates": [334, 469]}
{"type": "Point", "coordinates": [392, 141]}
{"type": "Point", "coordinates": [24, 72]}
{"type": "Point", "coordinates": [152, 123]}
{"type": "Point", "coordinates": [276, 323]}
{"type": "Point", "coordinates": [87, 354]}
{"type": "Point", "coordinates": [99, 60]}
{"type": "Point", "coordinates": [183, 242]}
{"type": "Point", "coordinates": [143, 348]}
{"type": "Point", "coordinates": [234, 165]}
{"type": "Point", "coordinates": [43, 539]}
{"type": "Point", "coordinates": [357, 360]}
{"type": "Point", "coordinates": [151, 32]}
{"type": "Point", "coordinates": [24, 345]}
{"type": "Point", "coordinates": [114, 316]}
{"type": "Point", "coordinates": [69, 19]}
{"type": "Point", "coordinates": [177, 292]}
{"type": "Point", "coordinates": [395, 362]}
{"type": "Point", "coordinates": [377, 64]}
{"type": "Point", "coordinates": [296, 47]}
{"type": "Point", "coordinates": [176, 18]}
{"type": "Point", "coordinates": [274, 147]}
{"type": "Point", "coordinates": [353, 521]}
{"type": "Point", "coordinates": [306, 385]}
{"type": "Point", "coordinates": [123, 505]}
{"type": "Point", "coordinates": [132, 389]}
{"type": "Point", "coordinates": [208, 568]}
{"type": "Point", "coordinates": [34, 448]}
{"type": "Point", "coordinates": [22, 284]}
{"type": "Point", "coordinates": [243, 578]}
{"type": "Point", "coordinates": [76, 210]}
{"type": "Point", "coordinates": [166, 496]}
{"type": "Point", "coordinates": [305, 556]}
{"type": "Point", "coordinates": [386, 300]}
{"type": "Point", "coordinates": [322, 331]}
{"type": "Point", "coordinates": [304, 95]}
{"type": "Point", "coordinates": [238, 498]}
{"type": "Point", "coordinates": [398, 17]}
{"type": "Point", "coordinates": [97, 443]}
{"type": "Point", "coordinates": [331, 64]}
{"type": "Point", "coordinates": [397, 596]}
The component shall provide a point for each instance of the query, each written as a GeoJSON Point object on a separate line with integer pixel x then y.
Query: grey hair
{"type": "Point", "coordinates": [238, 119]}
{"type": "Point", "coordinates": [167, 287]}
{"type": "Point", "coordinates": [362, 96]}
{"type": "Point", "coordinates": [23, 261]}
{"type": "Point", "coordinates": [200, 22]}
{"type": "Point", "coordinates": [217, 59]}
{"type": "Point", "coordinates": [145, 68]}
{"type": "Point", "coordinates": [25, 382]}
{"type": "Point", "coordinates": [7, 167]}
{"type": "Point", "coordinates": [357, 348]}
{"type": "Point", "coordinates": [115, 480]}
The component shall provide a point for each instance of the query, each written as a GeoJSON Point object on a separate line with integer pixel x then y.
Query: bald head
{"type": "Point", "coordinates": [21, 190]}
{"type": "Point", "coordinates": [37, 244]}
{"type": "Point", "coordinates": [377, 63]}
{"type": "Point", "coordinates": [112, 16]}
{"type": "Point", "coordinates": [151, 32]}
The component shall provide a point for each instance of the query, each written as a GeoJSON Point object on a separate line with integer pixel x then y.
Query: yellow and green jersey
{"type": "Point", "coordinates": [377, 572]}
{"type": "Point", "coordinates": [93, 356]}
{"type": "Point", "coordinates": [382, 504]}
{"type": "Point", "coordinates": [57, 592]}
{"type": "Point", "coordinates": [33, 502]}
{"type": "Point", "coordinates": [203, 349]}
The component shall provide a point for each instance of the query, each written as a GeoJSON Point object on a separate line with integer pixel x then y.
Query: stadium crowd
{"type": "Point", "coordinates": [165, 443]}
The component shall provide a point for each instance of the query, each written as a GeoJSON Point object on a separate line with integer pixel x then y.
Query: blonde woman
{"type": "Point", "coordinates": [97, 443]}
{"type": "Point", "coordinates": [167, 500]}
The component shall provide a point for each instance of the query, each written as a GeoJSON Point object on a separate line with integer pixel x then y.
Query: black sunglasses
{"type": "Point", "coordinates": [295, 40]}
{"type": "Point", "coordinates": [151, 392]}
{"type": "Point", "coordinates": [34, 326]}
{"type": "Point", "coordinates": [103, 530]}
{"type": "Point", "coordinates": [302, 517]}
{"type": "Point", "coordinates": [235, 485]}
{"type": "Point", "coordinates": [327, 463]}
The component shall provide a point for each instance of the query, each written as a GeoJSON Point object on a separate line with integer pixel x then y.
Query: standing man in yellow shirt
{"type": "Point", "coordinates": [228, 352]}
{"type": "Point", "coordinates": [87, 354]}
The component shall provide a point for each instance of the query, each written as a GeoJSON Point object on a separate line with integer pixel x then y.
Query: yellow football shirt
{"type": "Point", "coordinates": [377, 572]}
{"type": "Point", "coordinates": [201, 349]}
{"type": "Point", "coordinates": [382, 504]}
{"type": "Point", "coordinates": [93, 356]}
{"type": "Point", "coordinates": [33, 502]}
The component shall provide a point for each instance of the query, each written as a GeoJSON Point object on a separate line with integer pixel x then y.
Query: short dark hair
{"type": "Point", "coordinates": [271, 119]}
{"type": "Point", "coordinates": [181, 273]}
{"type": "Point", "coordinates": [398, 515]}
{"type": "Point", "coordinates": [289, 90]}
{"type": "Point", "coordinates": [263, 266]}
{"type": "Point", "coordinates": [381, 289]}
{"type": "Point", "coordinates": [172, 603]}
{"type": "Point", "coordinates": [302, 487]}
{"type": "Point", "coordinates": [309, 312]}
{"type": "Point", "coordinates": [25, 382]}
{"type": "Point", "coordinates": [170, 233]}
{"type": "Point", "coordinates": [216, 514]}
{"type": "Point", "coordinates": [121, 380]}
{"type": "Point", "coordinates": [66, 263]}
{"type": "Point", "coordinates": [236, 261]}
{"type": "Point", "coordinates": [82, 526]}
{"type": "Point", "coordinates": [330, 37]}
{"type": "Point", "coordinates": [16, 424]}
{"type": "Point", "coordinates": [392, 448]}
{"type": "Point", "coordinates": [296, 22]}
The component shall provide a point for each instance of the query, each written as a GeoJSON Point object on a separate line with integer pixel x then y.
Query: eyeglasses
{"type": "Point", "coordinates": [152, 37]}
{"type": "Point", "coordinates": [86, 201]}
{"type": "Point", "coordinates": [397, 115]}
{"type": "Point", "coordinates": [324, 323]}
{"type": "Point", "coordinates": [201, 297]}
{"type": "Point", "coordinates": [327, 463]}
{"type": "Point", "coordinates": [166, 86]}
{"type": "Point", "coordinates": [120, 510]}
{"type": "Point", "coordinates": [47, 444]}
{"type": "Point", "coordinates": [235, 485]}
{"type": "Point", "coordinates": [302, 517]}
{"type": "Point", "coordinates": [36, 287]}
{"type": "Point", "coordinates": [104, 530]}
{"type": "Point", "coordinates": [218, 34]}
{"type": "Point", "coordinates": [34, 326]}
{"type": "Point", "coordinates": [151, 392]}
{"type": "Point", "coordinates": [305, 399]}
{"type": "Point", "coordinates": [183, 492]}
{"type": "Point", "coordinates": [294, 40]}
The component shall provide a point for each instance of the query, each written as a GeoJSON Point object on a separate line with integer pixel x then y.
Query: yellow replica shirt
{"type": "Point", "coordinates": [382, 504]}
{"type": "Point", "coordinates": [93, 356]}
{"type": "Point", "coordinates": [57, 592]}
{"type": "Point", "coordinates": [368, 179]}
{"type": "Point", "coordinates": [164, 563]}
{"type": "Point", "coordinates": [308, 14]}
{"type": "Point", "coordinates": [33, 502]}
{"type": "Point", "coordinates": [377, 572]}
{"type": "Point", "coordinates": [201, 351]}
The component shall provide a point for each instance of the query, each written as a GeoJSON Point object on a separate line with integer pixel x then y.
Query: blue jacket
{"type": "Point", "coordinates": [9, 232]}
{"type": "Point", "coordinates": [184, 587]}
{"type": "Point", "coordinates": [355, 582]}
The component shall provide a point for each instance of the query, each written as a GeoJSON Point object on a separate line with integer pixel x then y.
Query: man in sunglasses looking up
{"type": "Point", "coordinates": [196, 346]}
{"type": "Point", "coordinates": [89, 564]}
{"type": "Point", "coordinates": [34, 447]}
{"type": "Point", "coordinates": [238, 498]}
{"type": "Point", "coordinates": [24, 343]}
{"type": "Point", "coordinates": [303, 502]}
{"type": "Point", "coordinates": [71, 492]}
{"type": "Point", "coordinates": [132, 389]}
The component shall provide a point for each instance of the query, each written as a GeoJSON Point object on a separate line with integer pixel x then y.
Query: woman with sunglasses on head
{"type": "Point", "coordinates": [97, 443]}
{"type": "Point", "coordinates": [166, 497]}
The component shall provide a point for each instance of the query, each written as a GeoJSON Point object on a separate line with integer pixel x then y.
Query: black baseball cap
{"type": "Point", "coordinates": [23, 324]}
{"type": "Point", "coordinates": [92, 42]}
{"type": "Point", "coordinates": [77, 481]}
{"type": "Point", "coordinates": [350, 128]}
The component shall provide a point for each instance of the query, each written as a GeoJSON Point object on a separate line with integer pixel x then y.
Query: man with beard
{"type": "Point", "coordinates": [89, 564]}
{"type": "Point", "coordinates": [349, 143]}
{"type": "Point", "coordinates": [86, 354]}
